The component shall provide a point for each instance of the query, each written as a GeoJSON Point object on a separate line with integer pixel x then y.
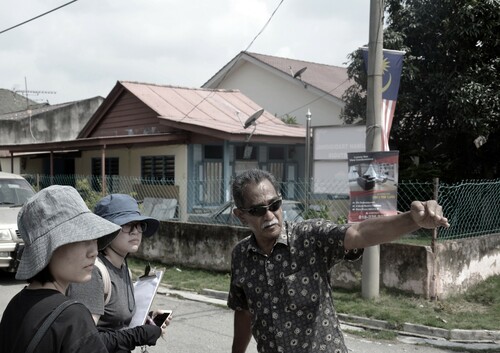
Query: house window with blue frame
{"type": "Point", "coordinates": [158, 169]}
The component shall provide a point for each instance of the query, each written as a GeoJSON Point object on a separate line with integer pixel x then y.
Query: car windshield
{"type": "Point", "coordinates": [14, 192]}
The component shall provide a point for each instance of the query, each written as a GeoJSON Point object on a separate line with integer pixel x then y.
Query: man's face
{"type": "Point", "coordinates": [266, 227]}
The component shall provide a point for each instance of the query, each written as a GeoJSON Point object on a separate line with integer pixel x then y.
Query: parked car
{"type": "Point", "coordinates": [14, 192]}
{"type": "Point", "coordinates": [292, 212]}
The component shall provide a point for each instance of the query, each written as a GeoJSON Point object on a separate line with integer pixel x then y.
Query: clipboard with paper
{"type": "Point", "coordinates": [145, 289]}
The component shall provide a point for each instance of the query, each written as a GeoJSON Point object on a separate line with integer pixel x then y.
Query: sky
{"type": "Point", "coordinates": [81, 50]}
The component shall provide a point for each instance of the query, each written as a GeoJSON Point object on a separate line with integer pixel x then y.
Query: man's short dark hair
{"type": "Point", "coordinates": [252, 176]}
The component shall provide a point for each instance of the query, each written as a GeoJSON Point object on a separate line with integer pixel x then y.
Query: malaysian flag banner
{"type": "Point", "coordinates": [392, 65]}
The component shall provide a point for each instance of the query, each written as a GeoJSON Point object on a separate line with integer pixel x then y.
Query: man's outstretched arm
{"type": "Point", "coordinates": [380, 230]}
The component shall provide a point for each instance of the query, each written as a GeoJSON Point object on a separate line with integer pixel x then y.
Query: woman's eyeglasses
{"type": "Point", "coordinates": [259, 211]}
{"type": "Point", "coordinates": [139, 226]}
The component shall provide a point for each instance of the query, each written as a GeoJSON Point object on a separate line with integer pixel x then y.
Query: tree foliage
{"type": "Point", "coordinates": [450, 87]}
{"type": "Point", "coordinates": [289, 119]}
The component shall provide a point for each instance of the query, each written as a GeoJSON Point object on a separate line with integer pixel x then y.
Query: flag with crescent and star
{"type": "Point", "coordinates": [392, 65]}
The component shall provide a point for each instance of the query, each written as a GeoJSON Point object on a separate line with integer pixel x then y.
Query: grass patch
{"type": "Point", "coordinates": [178, 277]}
{"type": "Point", "coordinates": [479, 308]}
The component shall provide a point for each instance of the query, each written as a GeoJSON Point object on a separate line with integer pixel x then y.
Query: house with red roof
{"type": "Point", "coordinates": [170, 135]}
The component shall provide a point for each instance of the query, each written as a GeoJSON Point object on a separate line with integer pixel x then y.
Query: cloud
{"type": "Point", "coordinates": [81, 50]}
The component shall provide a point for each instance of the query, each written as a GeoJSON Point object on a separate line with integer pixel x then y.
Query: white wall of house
{"type": "Point", "coordinates": [6, 165]}
{"type": "Point", "coordinates": [281, 96]}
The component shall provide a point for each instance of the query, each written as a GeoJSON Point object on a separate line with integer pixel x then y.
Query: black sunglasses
{"type": "Point", "coordinates": [259, 211]}
{"type": "Point", "coordinates": [140, 226]}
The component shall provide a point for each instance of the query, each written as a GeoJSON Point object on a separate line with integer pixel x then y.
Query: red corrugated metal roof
{"type": "Point", "coordinates": [222, 110]}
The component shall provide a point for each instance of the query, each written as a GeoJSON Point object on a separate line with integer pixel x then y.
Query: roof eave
{"type": "Point", "coordinates": [94, 143]}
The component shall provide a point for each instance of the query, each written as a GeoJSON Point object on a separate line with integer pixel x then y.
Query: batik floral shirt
{"type": "Point", "coordinates": [288, 292]}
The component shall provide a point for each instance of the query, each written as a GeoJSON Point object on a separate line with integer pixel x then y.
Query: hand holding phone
{"type": "Point", "coordinates": [161, 317]}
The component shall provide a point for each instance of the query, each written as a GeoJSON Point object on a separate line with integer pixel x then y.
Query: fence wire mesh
{"type": "Point", "coordinates": [471, 206]}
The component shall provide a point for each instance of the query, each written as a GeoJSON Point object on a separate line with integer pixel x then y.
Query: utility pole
{"type": "Point", "coordinates": [308, 158]}
{"type": "Point", "coordinates": [371, 257]}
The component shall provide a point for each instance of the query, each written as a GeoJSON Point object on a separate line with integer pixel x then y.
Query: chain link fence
{"type": "Point", "coordinates": [473, 207]}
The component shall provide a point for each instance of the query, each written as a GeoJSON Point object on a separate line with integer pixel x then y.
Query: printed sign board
{"type": "Point", "coordinates": [373, 178]}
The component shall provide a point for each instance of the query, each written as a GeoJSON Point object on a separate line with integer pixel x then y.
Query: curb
{"type": "Point", "coordinates": [192, 296]}
{"type": "Point", "coordinates": [455, 335]}
{"type": "Point", "coordinates": [478, 340]}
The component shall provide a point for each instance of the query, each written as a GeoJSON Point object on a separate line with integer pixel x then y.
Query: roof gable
{"type": "Point", "coordinates": [329, 79]}
{"type": "Point", "coordinates": [127, 116]}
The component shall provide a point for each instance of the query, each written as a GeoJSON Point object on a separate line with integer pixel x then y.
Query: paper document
{"type": "Point", "coordinates": [145, 290]}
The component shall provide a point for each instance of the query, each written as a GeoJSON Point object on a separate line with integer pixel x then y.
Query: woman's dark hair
{"type": "Point", "coordinates": [44, 276]}
{"type": "Point", "coordinates": [252, 176]}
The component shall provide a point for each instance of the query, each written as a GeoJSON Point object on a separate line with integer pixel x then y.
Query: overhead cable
{"type": "Point", "coordinates": [34, 18]}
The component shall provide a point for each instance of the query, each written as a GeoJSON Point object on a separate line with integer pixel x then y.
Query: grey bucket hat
{"type": "Point", "coordinates": [53, 217]}
{"type": "Point", "coordinates": [122, 209]}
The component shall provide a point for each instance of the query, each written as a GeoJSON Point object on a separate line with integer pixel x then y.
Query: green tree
{"type": "Point", "coordinates": [289, 119]}
{"type": "Point", "coordinates": [450, 87]}
{"type": "Point", "coordinates": [88, 194]}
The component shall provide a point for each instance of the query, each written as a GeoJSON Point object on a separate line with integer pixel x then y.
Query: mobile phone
{"type": "Point", "coordinates": [160, 318]}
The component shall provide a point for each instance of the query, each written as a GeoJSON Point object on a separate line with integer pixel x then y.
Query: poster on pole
{"type": "Point", "coordinates": [373, 178]}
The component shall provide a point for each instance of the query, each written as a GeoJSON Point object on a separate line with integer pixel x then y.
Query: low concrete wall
{"type": "Point", "coordinates": [402, 266]}
{"type": "Point", "coordinates": [192, 245]}
{"type": "Point", "coordinates": [463, 263]}
{"type": "Point", "coordinates": [455, 267]}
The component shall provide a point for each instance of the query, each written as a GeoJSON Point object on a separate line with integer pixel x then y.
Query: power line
{"type": "Point", "coordinates": [229, 70]}
{"type": "Point", "coordinates": [316, 99]}
{"type": "Point", "coordinates": [34, 18]}
{"type": "Point", "coordinates": [263, 28]}
{"type": "Point", "coordinates": [253, 40]}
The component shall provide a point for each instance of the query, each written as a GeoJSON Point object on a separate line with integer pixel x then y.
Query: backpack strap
{"type": "Point", "coordinates": [106, 279]}
{"type": "Point", "coordinates": [47, 323]}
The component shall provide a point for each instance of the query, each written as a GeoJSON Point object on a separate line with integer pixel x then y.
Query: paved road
{"type": "Point", "coordinates": [207, 328]}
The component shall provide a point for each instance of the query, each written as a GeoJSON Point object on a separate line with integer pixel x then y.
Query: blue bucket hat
{"type": "Point", "coordinates": [122, 209]}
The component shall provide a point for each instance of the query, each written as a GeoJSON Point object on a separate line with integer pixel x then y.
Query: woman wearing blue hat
{"type": "Point", "coordinates": [114, 308]}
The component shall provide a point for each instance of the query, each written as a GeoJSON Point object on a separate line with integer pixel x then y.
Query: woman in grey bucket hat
{"type": "Point", "coordinates": [115, 310]}
{"type": "Point", "coordinates": [60, 235]}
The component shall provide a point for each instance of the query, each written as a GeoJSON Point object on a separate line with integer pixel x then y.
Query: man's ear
{"type": "Point", "coordinates": [239, 213]}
